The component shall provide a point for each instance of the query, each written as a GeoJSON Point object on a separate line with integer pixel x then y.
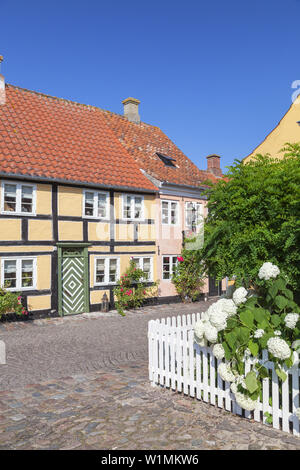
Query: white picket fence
{"type": "Point", "coordinates": [177, 362]}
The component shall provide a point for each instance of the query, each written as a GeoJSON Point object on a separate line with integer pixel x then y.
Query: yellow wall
{"type": "Point", "coordinates": [10, 229]}
{"type": "Point", "coordinates": [44, 199]}
{"type": "Point", "coordinates": [40, 230]}
{"type": "Point", "coordinates": [287, 130]}
{"type": "Point", "coordinates": [68, 230]}
{"type": "Point", "coordinates": [124, 232]}
{"type": "Point", "coordinates": [70, 201]}
{"type": "Point", "coordinates": [43, 272]}
{"type": "Point", "coordinates": [39, 302]}
{"type": "Point", "coordinates": [98, 231]}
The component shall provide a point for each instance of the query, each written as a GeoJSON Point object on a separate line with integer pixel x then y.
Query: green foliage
{"type": "Point", "coordinates": [188, 276]}
{"type": "Point", "coordinates": [254, 217]}
{"type": "Point", "coordinates": [132, 289]}
{"type": "Point", "coordinates": [265, 310]}
{"type": "Point", "coordinates": [10, 302]}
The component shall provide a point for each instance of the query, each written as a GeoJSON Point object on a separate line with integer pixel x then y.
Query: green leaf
{"type": "Point", "coordinates": [281, 302]}
{"type": "Point", "coordinates": [275, 319]}
{"type": "Point", "coordinates": [251, 381]}
{"type": "Point", "coordinates": [227, 351]}
{"type": "Point", "coordinates": [231, 339]}
{"type": "Point", "coordinates": [247, 317]}
{"type": "Point", "coordinates": [281, 374]}
{"type": "Point", "coordinates": [254, 348]}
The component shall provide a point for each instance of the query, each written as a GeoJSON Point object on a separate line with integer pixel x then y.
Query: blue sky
{"type": "Point", "coordinates": [215, 76]}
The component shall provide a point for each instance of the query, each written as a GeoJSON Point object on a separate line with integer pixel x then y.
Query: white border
{"type": "Point", "coordinates": [18, 198]}
{"type": "Point", "coordinates": [171, 267]}
{"type": "Point", "coordinates": [169, 201]}
{"type": "Point", "coordinates": [132, 208]}
{"type": "Point", "coordinates": [19, 260]}
{"type": "Point", "coordinates": [95, 193]}
{"type": "Point", "coordinates": [106, 270]}
{"type": "Point", "coordinates": [141, 267]}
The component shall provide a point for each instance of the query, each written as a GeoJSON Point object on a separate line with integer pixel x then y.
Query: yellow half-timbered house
{"type": "Point", "coordinates": [75, 206]}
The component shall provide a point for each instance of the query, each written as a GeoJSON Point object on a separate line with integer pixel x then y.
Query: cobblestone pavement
{"type": "Point", "coordinates": [118, 409]}
{"type": "Point", "coordinates": [81, 383]}
{"type": "Point", "coordinates": [56, 347]}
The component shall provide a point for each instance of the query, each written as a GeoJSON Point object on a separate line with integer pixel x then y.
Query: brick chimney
{"type": "Point", "coordinates": [131, 109]}
{"type": "Point", "coordinates": [213, 164]}
{"type": "Point", "coordinates": [2, 85]}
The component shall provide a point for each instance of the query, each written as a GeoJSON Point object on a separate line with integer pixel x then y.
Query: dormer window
{"type": "Point", "coordinates": [168, 161]}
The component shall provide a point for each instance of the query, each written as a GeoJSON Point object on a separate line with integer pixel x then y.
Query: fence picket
{"type": "Point", "coordinates": [191, 362]}
{"type": "Point", "coordinates": [185, 361]}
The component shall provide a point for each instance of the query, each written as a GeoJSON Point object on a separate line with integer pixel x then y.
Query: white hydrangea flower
{"type": "Point", "coordinates": [218, 320]}
{"type": "Point", "coordinates": [218, 351]}
{"type": "Point", "coordinates": [210, 333]}
{"type": "Point", "coordinates": [227, 306]}
{"type": "Point", "coordinates": [245, 402]}
{"type": "Point", "coordinates": [233, 387]}
{"type": "Point", "coordinates": [259, 333]}
{"type": "Point", "coordinates": [277, 333]}
{"type": "Point", "coordinates": [297, 413]}
{"type": "Point", "coordinates": [296, 345]}
{"type": "Point", "coordinates": [240, 296]}
{"type": "Point", "coordinates": [279, 348]}
{"type": "Point", "coordinates": [226, 373]}
{"type": "Point", "coordinates": [199, 329]}
{"type": "Point", "coordinates": [268, 271]}
{"type": "Point", "coordinates": [240, 380]}
{"type": "Point", "coordinates": [200, 341]}
{"type": "Point", "coordinates": [291, 320]}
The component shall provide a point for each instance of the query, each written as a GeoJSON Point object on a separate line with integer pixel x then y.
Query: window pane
{"type": "Point", "coordinates": [173, 213]}
{"type": "Point", "coordinates": [100, 270]}
{"type": "Point", "coordinates": [10, 273]}
{"type": "Point", "coordinates": [147, 267]}
{"type": "Point", "coordinates": [89, 204]}
{"type": "Point", "coordinates": [10, 197]}
{"type": "Point", "coordinates": [27, 273]}
{"type": "Point", "coordinates": [136, 262]}
{"type": "Point", "coordinates": [189, 214]}
{"type": "Point", "coordinates": [165, 213]}
{"type": "Point", "coordinates": [101, 205]}
{"type": "Point", "coordinates": [127, 208]}
{"type": "Point", "coordinates": [166, 267]}
{"type": "Point", "coordinates": [113, 270]}
{"type": "Point", "coordinates": [137, 207]}
{"type": "Point", "coordinates": [26, 199]}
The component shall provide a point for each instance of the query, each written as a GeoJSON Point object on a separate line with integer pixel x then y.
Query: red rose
{"type": "Point", "coordinates": [180, 259]}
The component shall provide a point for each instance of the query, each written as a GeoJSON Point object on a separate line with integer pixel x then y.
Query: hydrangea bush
{"type": "Point", "coordinates": [264, 318]}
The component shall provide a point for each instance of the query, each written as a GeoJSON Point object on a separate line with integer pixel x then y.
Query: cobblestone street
{"type": "Point", "coordinates": [82, 383]}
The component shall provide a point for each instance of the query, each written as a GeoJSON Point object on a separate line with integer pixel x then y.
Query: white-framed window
{"type": "Point", "coordinates": [193, 214]}
{"type": "Point", "coordinates": [169, 263]}
{"type": "Point", "coordinates": [146, 264]}
{"type": "Point", "coordinates": [18, 273]}
{"type": "Point", "coordinates": [169, 212]}
{"type": "Point", "coordinates": [132, 207]}
{"type": "Point", "coordinates": [107, 270]}
{"type": "Point", "coordinates": [95, 204]}
{"type": "Point", "coordinates": [18, 198]}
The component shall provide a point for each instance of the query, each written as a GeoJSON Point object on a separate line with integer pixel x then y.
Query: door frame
{"type": "Point", "coordinates": [84, 246]}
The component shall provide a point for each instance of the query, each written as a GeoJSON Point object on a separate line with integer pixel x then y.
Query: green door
{"type": "Point", "coordinates": [73, 280]}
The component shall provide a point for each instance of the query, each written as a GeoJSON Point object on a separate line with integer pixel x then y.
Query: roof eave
{"type": "Point", "coordinates": [75, 183]}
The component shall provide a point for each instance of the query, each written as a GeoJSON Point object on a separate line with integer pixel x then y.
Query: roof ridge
{"type": "Point", "coordinates": [76, 103]}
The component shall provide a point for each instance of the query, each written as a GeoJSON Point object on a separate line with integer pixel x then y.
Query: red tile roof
{"type": "Point", "coordinates": [143, 141]}
{"type": "Point", "coordinates": [53, 138]}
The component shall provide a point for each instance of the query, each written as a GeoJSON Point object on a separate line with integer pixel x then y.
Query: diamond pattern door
{"type": "Point", "coordinates": [73, 280]}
